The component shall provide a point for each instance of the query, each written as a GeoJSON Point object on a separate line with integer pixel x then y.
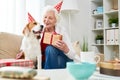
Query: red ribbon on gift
{"type": "Point", "coordinates": [54, 33]}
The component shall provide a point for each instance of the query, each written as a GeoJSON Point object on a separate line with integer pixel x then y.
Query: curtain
{"type": "Point", "coordinates": [13, 15]}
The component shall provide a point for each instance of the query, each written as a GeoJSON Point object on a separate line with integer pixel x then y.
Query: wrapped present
{"type": "Point", "coordinates": [16, 62]}
{"type": "Point", "coordinates": [50, 38]}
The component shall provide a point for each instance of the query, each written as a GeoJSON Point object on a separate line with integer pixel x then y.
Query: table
{"type": "Point", "coordinates": [63, 74]}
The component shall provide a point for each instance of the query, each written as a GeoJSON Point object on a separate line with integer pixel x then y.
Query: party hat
{"type": "Point", "coordinates": [30, 18]}
{"type": "Point", "coordinates": [58, 6]}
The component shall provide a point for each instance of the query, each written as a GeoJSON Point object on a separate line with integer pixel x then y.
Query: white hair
{"type": "Point", "coordinates": [51, 8]}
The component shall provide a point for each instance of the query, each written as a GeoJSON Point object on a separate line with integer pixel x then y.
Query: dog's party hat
{"type": "Point", "coordinates": [30, 18]}
{"type": "Point", "coordinates": [58, 6]}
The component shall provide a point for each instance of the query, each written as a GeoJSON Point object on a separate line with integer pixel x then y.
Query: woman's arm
{"type": "Point", "coordinates": [66, 46]}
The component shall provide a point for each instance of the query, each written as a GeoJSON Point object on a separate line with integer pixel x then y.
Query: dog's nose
{"type": "Point", "coordinates": [38, 37]}
{"type": "Point", "coordinates": [41, 26]}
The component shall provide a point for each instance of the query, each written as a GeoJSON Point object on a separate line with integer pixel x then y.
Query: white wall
{"type": "Point", "coordinates": [81, 22]}
{"type": "Point", "coordinates": [34, 8]}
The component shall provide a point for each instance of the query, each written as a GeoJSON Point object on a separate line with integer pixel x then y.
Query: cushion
{"type": "Point", "coordinates": [9, 45]}
{"type": "Point", "coordinates": [17, 72]}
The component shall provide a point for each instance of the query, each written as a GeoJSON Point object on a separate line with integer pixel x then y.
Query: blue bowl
{"type": "Point", "coordinates": [81, 71]}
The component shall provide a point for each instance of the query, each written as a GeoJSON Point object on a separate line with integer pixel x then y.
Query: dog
{"type": "Point", "coordinates": [76, 46]}
{"type": "Point", "coordinates": [31, 43]}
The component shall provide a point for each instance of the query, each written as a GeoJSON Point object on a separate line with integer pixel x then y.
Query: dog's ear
{"type": "Point", "coordinates": [26, 30]}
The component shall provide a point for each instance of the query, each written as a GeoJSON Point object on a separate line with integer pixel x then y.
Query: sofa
{"type": "Point", "coordinates": [9, 45]}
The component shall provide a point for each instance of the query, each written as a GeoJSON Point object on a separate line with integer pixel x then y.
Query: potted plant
{"type": "Point", "coordinates": [86, 55]}
{"type": "Point", "coordinates": [85, 45]}
{"type": "Point", "coordinates": [99, 39]}
{"type": "Point", "coordinates": [113, 22]}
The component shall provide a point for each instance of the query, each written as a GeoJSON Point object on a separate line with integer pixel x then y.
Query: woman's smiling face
{"type": "Point", "coordinates": [49, 19]}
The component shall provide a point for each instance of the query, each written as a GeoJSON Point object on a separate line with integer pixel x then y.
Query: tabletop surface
{"type": "Point", "coordinates": [63, 74]}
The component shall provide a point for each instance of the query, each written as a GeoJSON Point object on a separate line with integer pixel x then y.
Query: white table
{"type": "Point", "coordinates": [63, 74]}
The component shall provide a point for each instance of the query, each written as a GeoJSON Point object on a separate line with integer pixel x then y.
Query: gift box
{"type": "Point", "coordinates": [51, 38]}
{"type": "Point", "coordinates": [16, 62]}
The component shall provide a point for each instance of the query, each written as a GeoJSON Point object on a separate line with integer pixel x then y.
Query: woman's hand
{"type": "Point", "coordinates": [62, 46]}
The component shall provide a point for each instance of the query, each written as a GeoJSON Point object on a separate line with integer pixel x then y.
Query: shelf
{"type": "Point", "coordinates": [97, 15]}
{"type": "Point", "coordinates": [111, 12]}
{"type": "Point", "coordinates": [97, 1]}
{"type": "Point", "coordinates": [97, 44]}
{"type": "Point", "coordinates": [111, 42]}
{"type": "Point", "coordinates": [100, 29]}
{"type": "Point", "coordinates": [111, 28]}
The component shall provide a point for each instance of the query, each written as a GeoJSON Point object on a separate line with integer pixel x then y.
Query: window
{"type": "Point", "coordinates": [13, 15]}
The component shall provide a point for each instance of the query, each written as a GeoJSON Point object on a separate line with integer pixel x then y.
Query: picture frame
{"type": "Point", "coordinates": [99, 24]}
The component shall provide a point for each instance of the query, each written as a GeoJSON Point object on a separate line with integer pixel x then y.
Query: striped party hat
{"type": "Point", "coordinates": [58, 6]}
{"type": "Point", "coordinates": [30, 18]}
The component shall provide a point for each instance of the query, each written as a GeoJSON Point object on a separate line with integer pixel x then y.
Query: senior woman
{"type": "Point", "coordinates": [55, 56]}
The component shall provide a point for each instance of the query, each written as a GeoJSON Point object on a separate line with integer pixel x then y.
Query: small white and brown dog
{"type": "Point", "coordinates": [31, 42]}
